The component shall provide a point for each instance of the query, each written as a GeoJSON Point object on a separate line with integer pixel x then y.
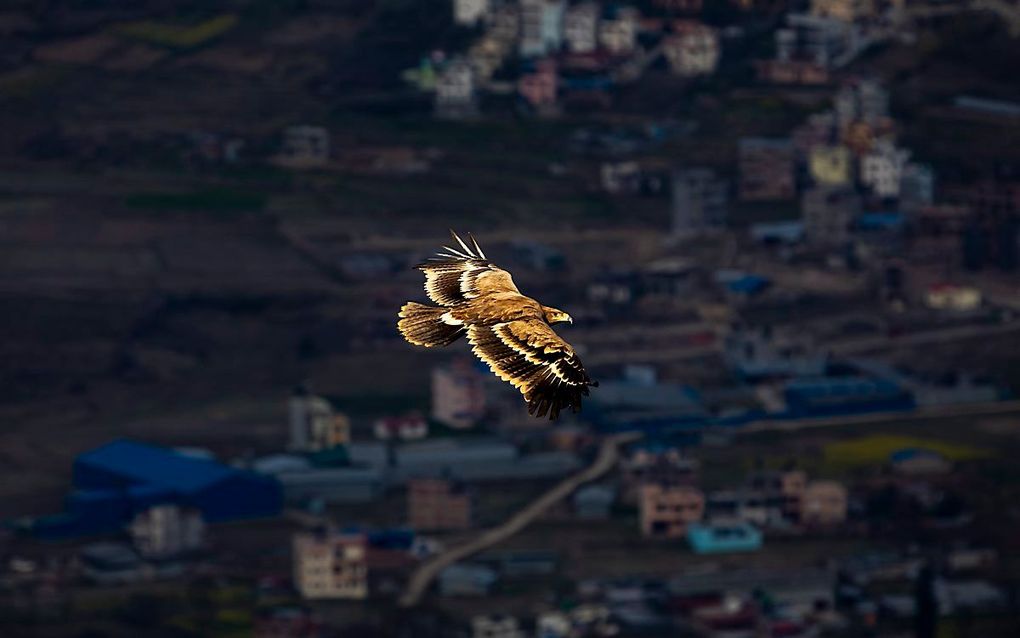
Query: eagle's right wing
{"type": "Point", "coordinates": [534, 359]}
{"type": "Point", "coordinates": [462, 274]}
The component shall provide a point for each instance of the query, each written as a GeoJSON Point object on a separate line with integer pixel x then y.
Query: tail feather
{"type": "Point", "coordinates": [423, 326]}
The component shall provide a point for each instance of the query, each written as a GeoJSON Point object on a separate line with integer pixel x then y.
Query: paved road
{"type": "Point", "coordinates": [427, 572]}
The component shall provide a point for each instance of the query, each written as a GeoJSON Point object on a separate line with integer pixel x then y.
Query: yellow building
{"type": "Point", "coordinates": [830, 165]}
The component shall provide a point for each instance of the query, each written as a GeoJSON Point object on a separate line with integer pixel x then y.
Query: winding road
{"type": "Point", "coordinates": [609, 453]}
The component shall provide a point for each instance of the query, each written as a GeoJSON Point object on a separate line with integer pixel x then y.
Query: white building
{"type": "Point", "coordinates": [458, 395]}
{"type": "Point", "coordinates": [541, 29]}
{"type": "Point", "coordinates": [166, 531]}
{"type": "Point", "coordinates": [861, 100]}
{"type": "Point", "coordinates": [504, 23]}
{"type": "Point", "coordinates": [313, 424]}
{"type": "Point", "coordinates": [330, 565]}
{"type": "Point", "coordinates": [468, 13]}
{"type": "Point", "coordinates": [580, 27]}
{"type": "Point", "coordinates": [700, 200]}
{"type": "Point", "coordinates": [618, 34]}
{"type": "Point", "coordinates": [304, 147]}
{"type": "Point", "coordinates": [882, 168]}
{"type": "Point", "coordinates": [693, 49]}
{"type": "Point", "coordinates": [455, 90]}
{"type": "Point", "coordinates": [496, 627]}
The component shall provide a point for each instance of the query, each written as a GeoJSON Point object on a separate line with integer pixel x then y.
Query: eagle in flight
{"type": "Point", "coordinates": [506, 330]}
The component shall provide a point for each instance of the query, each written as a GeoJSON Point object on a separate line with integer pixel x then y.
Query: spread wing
{"type": "Point", "coordinates": [535, 360]}
{"type": "Point", "coordinates": [462, 274]}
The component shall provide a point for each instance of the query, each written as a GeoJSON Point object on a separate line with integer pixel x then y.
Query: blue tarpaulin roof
{"type": "Point", "coordinates": [156, 466]}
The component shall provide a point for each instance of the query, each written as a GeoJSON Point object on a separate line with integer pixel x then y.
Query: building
{"type": "Point", "coordinates": [438, 504]}
{"type": "Point", "coordinates": [304, 147]}
{"type": "Point", "coordinates": [782, 488]}
{"type": "Point", "coordinates": [313, 424]}
{"type": "Point", "coordinates": [167, 531]}
{"type": "Point", "coordinates": [692, 49]}
{"type": "Point", "coordinates": [766, 169]}
{"type": "Point", "coordinates": [463, 579]}
{"type": "Point", "coordinates": [844, 10]}
{"type": "Point", "coordinates": [504, 23]}
{"type": "Point", "coordinates": [656, 465]}
{"type": "Point", "coordinates": [917, 187]}
{"type": "Point", "coordinates": [802, 72]}
{"type": "Point", "coordinates": [116, 482]}
{"type": "Point", "coordinates": [580, 27]}
{"type": "Point", "coordinates": [761, 352]}
{"type": "Point", "coordinates": [826, 42]}
{"type": "Point", "coordinates": [541, 27]}
{"type": "Point", "coordinates": [539, 87]}
{"type": "Point", "coordinates": [830, 165]}
{"type": "Point", "coordinates": [862, 100]}
{"type": "Point", "coordinates": [496, 627]}
{"type": "Point", "coordinates": [620, 177]}
{"type": "Point", "coordinates": [828, 214]}
{"type": "Point", "coordinates": [408, 427]}
{"type": "Point", "coordinates": [330, 565]}
{"type": "Point", "coordinates": [455, 90]}
{"type": "Point", "coordinates": [882, 168]}
{"type": "Point", "coordinates": [594, 502]}
{"type": "Point", "coordinates": [458, 395]}
{"type": "Point", "coordinates": [716, 538]}
{"type": "Point", "coordinates": [823, 503]}
{"type": "Point", "coordinates": [469, 13]}
{"type": "Point", "coordinates": [618, 31]}
{"type": "Point", "coordinates": [667, 510]}
{"type": "Point", "coordinates": [947, 296]}
{"type": "Point", "coordinates": [700, 200]}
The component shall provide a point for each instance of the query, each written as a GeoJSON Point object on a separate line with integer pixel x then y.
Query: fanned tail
{"type": "Point", "coordinates": [424, 326]}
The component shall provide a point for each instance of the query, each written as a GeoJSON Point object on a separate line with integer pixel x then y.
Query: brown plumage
{"type": "Point", "coordinates": [507, 330]}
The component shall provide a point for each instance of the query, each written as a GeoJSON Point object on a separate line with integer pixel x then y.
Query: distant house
{"type": "Point", "coordinates": [618, 31]}
{"type": "Point", "coordinates": [917, 187]}
{"type": "Point", "coordinates": [656, 465]}
{"type": "Point", "coordinates": [620, 177]}
{"type": "Point", "coordinates": [882, 168]}
{"type": "Point", "coordinates": [455, 90]}
{"type": "Point", "coordinates": [496, 627]}
{"type": "Point", "coordinates": [541, 27]}
{"type": "Point", "coordinates": [823, 503]}
{"type": "Point", "coordinates": [784, 488]}
{"type": "Point", "coordinates": [167, 531]}
{"type": "Point", "coordinates": [304, 147]}
{"type": "Point", "coordinates": [766, 169]}
{"type": "Point", "coordinates": [802, 72]}
{"type": "Point", "coordinates": [469, 13]}
{"type": "Point", "coordinates": [438, 504]}
{"type": "Point", "coordinates": [692, 49]}
{"type": "Point", "coordinates": [862, 100]}
{"type": "Point", "coordinates": [827, 42]}
{"type": "Point", "coordinates": [330, 565]}
{"type": "Point", "coordinates": [407, 427]}
{"type": "Point", "coordinates": [314, 425]}
{"type": "Point", "coordinates": [830, 165]}
{"type": "Point", "coordinates": [580, 27]}
{"type": "Point", "coordinates": [594, 502]}
{"type": "Point", "coordinates": [947, 296]}
{"type": "Point", "coordinates": [463, 579]}
{"type": "Point", "coordinates": [845, 10]}
{"type": "Point", "coordinates": [828, 213]}
{"type": "Point", "coordinates": [715, 538]}
{"type": "Point", "coordinates": [458, 395]}
{"type": "Point", "coordinates": [668, 510]}
{"type": "Point", "coordinates": [756, 352]}
{"type": "Point", "coordinates": [539, 88]}
{"type": "Point", "coordinates": [700, 200]}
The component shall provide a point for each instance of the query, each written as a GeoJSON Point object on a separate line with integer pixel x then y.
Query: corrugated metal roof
{"type": "Point", "coordinates": [143, 463]}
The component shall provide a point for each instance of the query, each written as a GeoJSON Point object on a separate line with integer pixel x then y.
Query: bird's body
{"type": "Point", "coordinates": [510, 332]}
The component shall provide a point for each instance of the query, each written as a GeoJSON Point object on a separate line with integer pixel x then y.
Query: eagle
{"type": "Point", "coordinates": [510, 332]}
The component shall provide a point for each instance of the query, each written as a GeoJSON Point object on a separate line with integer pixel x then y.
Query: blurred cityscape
{"type": "Point", "coordinates": [788, 233]}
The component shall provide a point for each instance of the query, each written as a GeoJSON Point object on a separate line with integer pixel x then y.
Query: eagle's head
{"type": "Point", "coordinates": [555, 315]}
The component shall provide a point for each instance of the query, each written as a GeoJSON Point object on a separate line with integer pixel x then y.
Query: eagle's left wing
{"type": "Point", "coordinates": [459, 275]}
{"type": "Point", "coordinates": [535, 360]}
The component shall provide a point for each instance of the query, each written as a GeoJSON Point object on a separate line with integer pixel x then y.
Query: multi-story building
{"type": "Point", "coordinates": [828, 213]}
{"type": "Point", "coordinates": [539, 87]}
{"type": "Point", "coordinates": [883, 167]}
{"type": "Point", "coordinates": [766, 169]}
{"type": "Point", "coordinates": [541, 30]}
{"type": "Point", "coordinates": [455, 90]}
{"type": "Point", "coordinates": [407, 427]}
{"type": "Point", "coordinates": [469, 12]}
{"type": "Point", "coordinates": [827, 42]}
{"type": "Point", "coordinates": [667, 510]}
{"type": "Point", "coordinates": [845, 10]}
{"type": "Point", "coordinates": [504, 23]}
{"type": "Point", "coordinates": [823, 503]}
{"type": "Point", "coordinates": [458, 395]}
{"type": "Point", "coordinates": [304, 147]}
{"type": "Point", "coordinates": [496, 627]}
{"type": "Point", "coordinates": [917, 187]}
{"type": "Point", "coordinates": [862, 100]}
{"type": "Point", "coordinates": [618, 33]}
{"type": "Point", "coordinates": [580, 27]}
{"type": "Point", "coordinates": [700, 200]}
{"type": "Point", "coordinates": [438, 504]}
{"type": "Point", "coordinates": [330, 565]}
{"type": "Point", "coordinates": [783, 488]}
{"type": "Point", "coordinates": [692, 49]}
{"type": "Point", "coordinates": [167, 531]}
{"type": "Point", "coordinates": [314, 426]}
{"type": "Point", "coordinates": [830, 165]}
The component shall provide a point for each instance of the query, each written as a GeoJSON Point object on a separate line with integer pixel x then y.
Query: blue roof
{"type": "Point", "coordinates": [748, 284]}
{"type": "Point", "coordinates": [157, 466]}
{"type": "Point", "coordinates": [907, 453]}
{"type": "Point", "coordinates": [881, 221]}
